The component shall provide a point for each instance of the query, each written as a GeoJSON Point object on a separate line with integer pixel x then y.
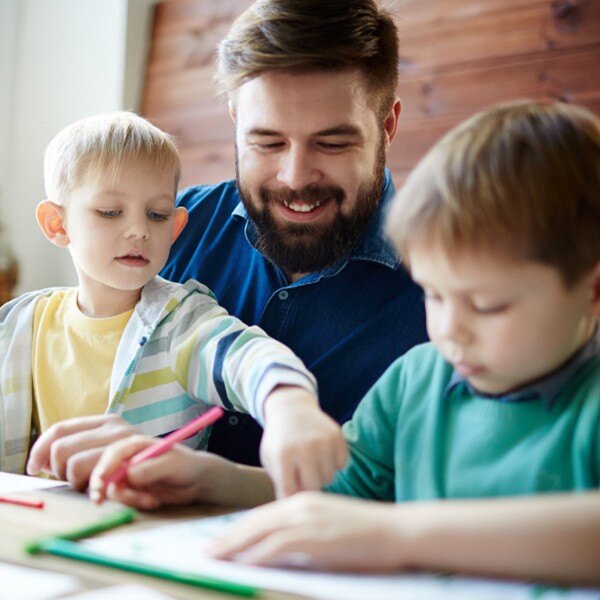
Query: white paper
{"type": "Point", "coordinates": [10, 483]}
{"type": "Point", "coordinates": [122, 592]}
{"type": "Point", "coordinates": [180, 547]}
{"type": "Point", "coordinates": [21, 583]}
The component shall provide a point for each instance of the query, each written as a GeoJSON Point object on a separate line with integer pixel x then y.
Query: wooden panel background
{"type": "Point", "coordinates": [457, 56]}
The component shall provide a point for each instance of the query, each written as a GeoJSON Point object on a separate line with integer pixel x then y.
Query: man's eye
{"type": "Point", "coordinates": [108, 214]}
{"type": "Point", "coordinates": [329, 146]}
{"type": "Point", "coordinates": [157, 216]}
{"type": "Point", "coordinates": [270, 146]}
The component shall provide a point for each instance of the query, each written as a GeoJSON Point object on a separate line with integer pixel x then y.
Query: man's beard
{"type": "Point", "coordinates": [311, 247]}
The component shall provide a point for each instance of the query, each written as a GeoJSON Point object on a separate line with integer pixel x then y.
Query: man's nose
{"type": "Point", "coordinates": [297, 168]}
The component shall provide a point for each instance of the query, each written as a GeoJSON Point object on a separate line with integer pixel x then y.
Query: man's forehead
{"type": "Point", "coordinates": [318, 101]}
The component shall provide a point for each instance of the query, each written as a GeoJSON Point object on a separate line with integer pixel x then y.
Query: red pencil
{"type": "Point", "coordinates": [29, 502]}
{"type": "Point", "coordinates": [165, 444]}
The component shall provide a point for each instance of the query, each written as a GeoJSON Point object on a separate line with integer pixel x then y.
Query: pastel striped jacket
{"type": "Point", "coordinates": [179, 354]}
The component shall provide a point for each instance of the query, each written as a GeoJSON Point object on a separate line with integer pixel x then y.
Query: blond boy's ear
{"type": "Point", "coordinates": [180, 219]}
{"type": "Point", "coordinates": [232, 112]}
{"type": "Point", "coordinates": [50, 218]}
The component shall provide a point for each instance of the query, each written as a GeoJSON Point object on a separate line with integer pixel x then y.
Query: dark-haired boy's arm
{"type": "Point", "coordinates": [550, 538]}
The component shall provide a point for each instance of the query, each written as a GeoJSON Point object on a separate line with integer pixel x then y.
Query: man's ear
{"type": "Point", "coordinates": [180, 219]}
{"type": "Point", "coordinates": [390, 124]}
{"type": "Point", "coordinates": [50, 218]}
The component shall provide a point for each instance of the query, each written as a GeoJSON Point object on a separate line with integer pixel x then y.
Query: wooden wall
{"type": "Point", "coordinates": [457, 56]}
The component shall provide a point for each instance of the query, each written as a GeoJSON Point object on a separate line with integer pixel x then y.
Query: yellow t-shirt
{"type": "Point", "coordinates": [72, 359]}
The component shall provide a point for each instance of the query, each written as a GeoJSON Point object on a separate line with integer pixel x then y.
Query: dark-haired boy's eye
{"type": "Point", "coordinates": [490, 310]}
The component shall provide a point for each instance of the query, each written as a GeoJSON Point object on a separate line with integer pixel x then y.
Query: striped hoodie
{"type": "Point", "coordinates": [179, 354]}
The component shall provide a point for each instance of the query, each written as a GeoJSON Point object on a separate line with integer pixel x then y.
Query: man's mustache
{"type": "Point", "coordinates": [309, 194]}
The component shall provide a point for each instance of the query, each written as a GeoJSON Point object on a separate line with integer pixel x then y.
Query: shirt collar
{"type": "Point", "coordinates": [373, 246]}
{"type": "Point", "coordinates": [545, 389]}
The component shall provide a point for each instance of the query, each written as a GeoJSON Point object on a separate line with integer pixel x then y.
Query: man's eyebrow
{"type": "Point", "coordinates": [340, 130]}
{"type": "Point", "coordinates": [263, 131]}
{"type": "Point", "coordinates": [349, 130]}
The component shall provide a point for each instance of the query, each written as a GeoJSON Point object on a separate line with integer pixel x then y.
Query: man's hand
{"type": "Point", "coordinates": [179, 476]}
{"type": "Point", "coordinates": [70, 449]}
{"type": "Point", "coordinates": [302, 447]}
{"type": "Point", "coordinates": [317, 531]}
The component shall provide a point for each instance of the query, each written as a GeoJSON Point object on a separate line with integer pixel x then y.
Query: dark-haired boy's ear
{"type": "Point", "coordinates": [180, 219]}
{"type": "Point", "coordinates": [50, 218]}
{"type": "Point", "coordinates": [596, 290]}
{"type": "Point", "coordinates": [390, 124]}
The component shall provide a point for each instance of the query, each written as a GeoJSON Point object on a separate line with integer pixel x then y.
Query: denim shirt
{"type": "Point", "coordinates": [348, 322]}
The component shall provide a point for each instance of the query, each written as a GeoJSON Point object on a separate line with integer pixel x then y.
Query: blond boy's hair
{"type": "Point", "coordinates": [106, 143]}
{"type": "Point", "coordinates": [521, 179]}
{"type": "Point", "coordinates": [304, 36]}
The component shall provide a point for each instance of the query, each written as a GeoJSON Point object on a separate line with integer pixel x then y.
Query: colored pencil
{"type": "Point", "coordinates": [76, 551]}
{"type": "Point", "coordinates": [165, 444]}
{"type": "Point", "coordinates": [110, 522]}
{"type": "Point", "coordinates": [29, 502]}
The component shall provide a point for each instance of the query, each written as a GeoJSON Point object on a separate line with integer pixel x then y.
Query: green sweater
{"type": "Point", "coordinates": [412, 438]}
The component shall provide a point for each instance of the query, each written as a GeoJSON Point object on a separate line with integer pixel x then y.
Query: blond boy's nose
{"type": "Point", "coordinates": [137, 229]}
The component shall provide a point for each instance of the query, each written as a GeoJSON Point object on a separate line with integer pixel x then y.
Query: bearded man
{"type": "Point", "coordinates": [295, 243]}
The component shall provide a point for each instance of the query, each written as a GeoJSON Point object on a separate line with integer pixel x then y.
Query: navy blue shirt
{"type": "Point", "coordinates": [347, 323]}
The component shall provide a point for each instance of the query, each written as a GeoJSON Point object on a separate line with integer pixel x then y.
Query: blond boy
{"type": "Point", "coordinates": [475, 443]}
{"type": "Point", "coordinates": [126, 342]}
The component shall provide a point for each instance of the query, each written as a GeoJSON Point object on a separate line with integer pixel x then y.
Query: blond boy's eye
{"type": "Point", "coordinates": [157, 216]}
{"type": "Point", "coordinates": [108, 214]}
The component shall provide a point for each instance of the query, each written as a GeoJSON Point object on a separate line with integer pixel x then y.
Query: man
{"type": "Point", "coordinates": [295, 244]}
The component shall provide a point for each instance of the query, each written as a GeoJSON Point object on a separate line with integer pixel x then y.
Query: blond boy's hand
{"type": "Point", "coordinates": [70, 449]}
{"type": "Point", "coordinates": [302, 447]}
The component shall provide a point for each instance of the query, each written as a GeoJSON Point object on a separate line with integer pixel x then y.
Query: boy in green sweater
{"type": "Point", "coordinates": [474, 443]}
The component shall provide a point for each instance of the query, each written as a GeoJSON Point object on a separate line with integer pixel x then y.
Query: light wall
{"type": "Point", "coordinates": [60, 60]}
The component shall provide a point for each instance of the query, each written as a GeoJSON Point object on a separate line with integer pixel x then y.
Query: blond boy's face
{"type": "Point", "coordinates": [502, 323]}
{"type": "Point", "coordinates": [120, 231]}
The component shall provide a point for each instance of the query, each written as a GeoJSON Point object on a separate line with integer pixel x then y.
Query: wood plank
{"type": "Point", "coordinates": [565, 76]}
{"type": "Point", "coordinates": [528, 30]}
{"type": "Point", "coordinates": [181, 15]}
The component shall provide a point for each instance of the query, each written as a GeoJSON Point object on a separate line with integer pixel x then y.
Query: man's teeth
{"type": "Point", "coordinates": [301, 206]}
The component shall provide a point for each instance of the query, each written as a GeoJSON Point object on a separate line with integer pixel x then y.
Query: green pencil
{"type": "Point", "coordinates": [76, 551]}
{"type": "Point", "coordinates": [110, 522]}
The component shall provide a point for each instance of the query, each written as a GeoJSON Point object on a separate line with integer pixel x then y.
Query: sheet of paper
{"type": "Point", "coordinates": [21, 583]}
{"type": "Point", "coordinates": [122, 592]}
{"type": "Point", "coordinates": [180, 547]}
{"type": "Point", "coordinates": [10, 483]}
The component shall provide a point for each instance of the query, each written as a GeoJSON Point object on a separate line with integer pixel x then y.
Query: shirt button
{"type": "Point", "coordinates": [233, 420]}
{"type": "Point", "coordinates": [283, 295]}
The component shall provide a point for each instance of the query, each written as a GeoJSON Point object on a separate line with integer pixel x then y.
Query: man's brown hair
{"type": "Point", "coordinates": [303, 36]}
{"type": "Point", "coordinates": [522, 179]}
